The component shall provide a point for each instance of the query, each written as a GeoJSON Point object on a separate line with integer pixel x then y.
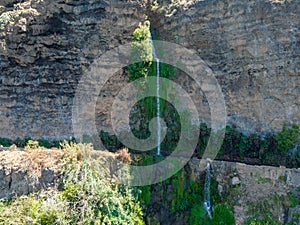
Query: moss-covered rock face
{"type": "Point", "coordinates": [263, 195]}
{"type": "Point", "coordinates": [178, 200]}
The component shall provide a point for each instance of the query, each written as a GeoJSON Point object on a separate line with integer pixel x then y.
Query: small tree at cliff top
{"type": "Point", "coordinates": [141, 52]}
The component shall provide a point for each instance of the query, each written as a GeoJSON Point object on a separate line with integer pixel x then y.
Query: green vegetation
{"type": "Point", "coordinates": [32, 145]}
{"type": "Point", "coordinates": [5, 142]}
{"type": "Point", "coordinates": [22, 143]}
{"type": "Point", "coordinates": [293, 200]}
{"type": "Point", "coordinates": [110, 142]}
{"type": "Point", "coordinates": [146, 109]}
{"type": "Point", "coordinates": [287, 138]}
{"type": "Point", "coordinates": [272, 149]}
{"type": "Point", "coordinates": [236, 146]}
{"type": "Point", "coordinates": [198, 215]}
{"type": "Point", "coordinates": [264, 212]}
{"type": "Point", "coordinates": [5, 18]}
{"type": "Point", "coordinates": [295, 219]}
{"type": "Point", "coordinates": [145, 196]}
{"type": "Point", "coordinates": [187, 193]}
{"type": "Point", "coordinates": [264, 221]}
{"type": "Point", "coordinates": [141, 52]}
{"type": "Point", "coordinates": [88, 197]}
{"type": "Point", "coordinates": [222, 215]}
{"type": "Point", "coordinates": [183, 197]}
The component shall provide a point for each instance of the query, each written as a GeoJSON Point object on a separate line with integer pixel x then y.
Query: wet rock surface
{"type": "Point", "coordinates": [254, 184]}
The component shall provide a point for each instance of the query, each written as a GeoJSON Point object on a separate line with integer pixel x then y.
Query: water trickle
{"type": "Point", "coordinates": [207, 201]}
{"type": "Point", "coordinates": [157, 96]}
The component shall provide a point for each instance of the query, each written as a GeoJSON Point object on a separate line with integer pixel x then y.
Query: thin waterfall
{"type": "Point", "coordinates": [207, 201]}
{"type": "Point", "coordinates": [157, 96]}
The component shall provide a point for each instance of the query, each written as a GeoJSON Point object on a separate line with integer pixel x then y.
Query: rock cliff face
{"type": "Point", "coordinates": [23, 172]}
{"type": "Point", "coordinates": [46, 46]}
{"type": "Point", "coordinates": [244, 184]}
{"type": "Point", "coordinates": [253, 49]}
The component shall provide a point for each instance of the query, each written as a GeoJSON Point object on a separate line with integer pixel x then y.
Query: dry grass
{"type": "Point", "coordinates": [33, 161]}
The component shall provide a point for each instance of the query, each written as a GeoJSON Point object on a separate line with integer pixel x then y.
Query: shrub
{"type": "Point", "coordinates": [32, 145]}
{"type": "Point", "coordinates": [145, 195]}
{"type": "Point", "coordinates": [287, 138]}
{"type": "Point", "coordinates": [198, 215]}
{"type": "Point", "coordinates": [222, 215]}
{"type": "Point", "coordinates": [141, 52]}
{"type": "Point", "coordinates": [5, 142]}
{"type": "Point", "coordinates": [43, 210]}
{"type": "Point", "coordinates": [124, 156]}
{"type": "Point", "coordinates": [294, 201]}
{"type": "Point", "coordinates": [265, 221]}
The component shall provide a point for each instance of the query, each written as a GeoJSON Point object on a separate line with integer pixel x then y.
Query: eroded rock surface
{"type": "Point", "coordinates": [45, 48]}
{"type": "Point", "coordinates": [24, 172]}
{"type": "Point", "coordinates": [252, 48]}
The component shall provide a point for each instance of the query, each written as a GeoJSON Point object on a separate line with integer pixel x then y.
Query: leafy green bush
{"type": "Point", "coordinates": [145, 195]}
{"type": "Point", "coordinates": [261, 212]}
{"type": "Point", "coordinates": [22, 142]}
{"type": "Point", "coordinates": [92, 195]}
{"type": "Point", "coordinates": [44, 143]}
{"type": "Point", "coordinates": [294, 201]}
{"type": "Point", "coordinates": [45, 209]}
{"type": "Point", "coordinates": [197, 214]}
{"type": "Point", "coordinates": [5, 142]}
{"type": "Point", "coordinates": [287, 138]}
{"type": "Point", "coordinates": [31, 144]}
{"type": "Point", "coordinates": [110, 142]}
{"type": "Point", "coordinates": [222, 215]}
{"type": "Point", "coordinates": [141, 52]}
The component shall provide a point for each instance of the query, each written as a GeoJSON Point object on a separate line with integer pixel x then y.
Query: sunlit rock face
{"type": "Point", "coordinates": [252, 47]}
{"type": "Point", "coordinates": [45, 48]}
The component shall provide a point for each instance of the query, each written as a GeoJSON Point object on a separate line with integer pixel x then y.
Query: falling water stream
{"type": "Point", "coordinates": [157, 96]}
{"type": "Point", "coordinates": [207, 201]}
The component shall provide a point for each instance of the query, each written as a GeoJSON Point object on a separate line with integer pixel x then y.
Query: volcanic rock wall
{"type": "Point", "coordinates": [252, 48]}
{"type": "Point", "coordinates": [250, 183]}
{"type": "Point", "coordinates": [45, 47]}
{"type": "Point", "coordinates": [23, 172]}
